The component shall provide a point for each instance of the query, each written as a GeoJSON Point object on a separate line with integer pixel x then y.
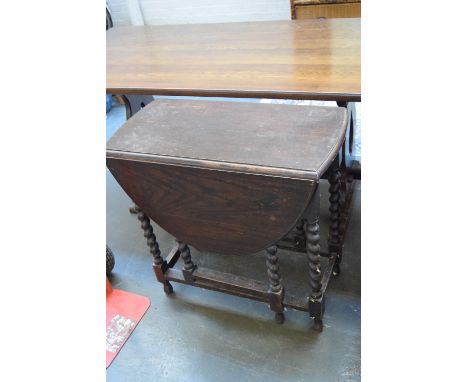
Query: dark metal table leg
{"type": "Point", "coordinates": [276, 291]}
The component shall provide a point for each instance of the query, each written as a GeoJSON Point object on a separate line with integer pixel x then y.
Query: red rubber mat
{"type": "Point", "coordinates": [124, 311]}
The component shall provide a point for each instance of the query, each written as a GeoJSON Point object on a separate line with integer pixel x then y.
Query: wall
{"type": "Point", "coordinates": [156, 12]}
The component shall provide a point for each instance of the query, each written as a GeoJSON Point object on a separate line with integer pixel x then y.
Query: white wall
{"type": "Point", "coordinates": [156, 12]}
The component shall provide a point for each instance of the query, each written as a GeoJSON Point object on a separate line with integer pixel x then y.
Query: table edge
{"type": "Point", "coordinates": [236, 93]}
{"type": "Point", "coordinates": [213, 165]}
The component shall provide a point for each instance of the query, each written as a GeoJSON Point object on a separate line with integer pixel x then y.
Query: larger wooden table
{"type": "Point", "coordinates": [301, 59]}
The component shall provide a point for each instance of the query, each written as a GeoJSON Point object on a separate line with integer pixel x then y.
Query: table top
{"type": "Point", "coordinates": [298, 59]}
{"type": "Point", "coordinates": [269, 139]}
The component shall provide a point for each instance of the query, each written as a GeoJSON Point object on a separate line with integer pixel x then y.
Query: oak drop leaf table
{"type": "Point", "coordinates": [234, 178]}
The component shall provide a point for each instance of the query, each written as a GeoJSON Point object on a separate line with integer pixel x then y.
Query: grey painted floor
{"type": "Point", "coordinates": [200, 335]}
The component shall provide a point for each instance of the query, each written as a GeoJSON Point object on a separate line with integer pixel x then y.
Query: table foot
{"type": "Point", "coordinates": [336, 270]}
{"type": "Point", "coordinates": [318, 325]}
{"type": "Point", "coordinates": [279, 318]}
{"type": "Point", "coordinates": [168, 288]}
{"type": "Point", "coordinates": [275, 291]}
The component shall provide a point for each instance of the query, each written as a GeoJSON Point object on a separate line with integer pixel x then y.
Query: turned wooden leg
{"type": "Point", "coordinates": [312, 235]}
{"type": "Point", "coordinates": [335, 235]}
{"type": "Point", "coordinates": [299, 232]}
{"type": "Point", "coordinates": [189, 266]}
{"type": "Point", "coordinates": [152, 244]}
{"type": "Point", "coordinates": [315, 273]}
{"type": "Point", "coordinates": [276, 290]}
{"type": "Point", "coordinates": [299, 229]}
{"type": "Point", "coordinates": [133, 208]}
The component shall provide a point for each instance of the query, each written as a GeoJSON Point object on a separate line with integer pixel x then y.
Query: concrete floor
{"type": "Point", "coordinates": [200, 335]}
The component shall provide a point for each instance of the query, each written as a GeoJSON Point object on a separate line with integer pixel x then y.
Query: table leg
{"type": "Point", "coordinates": [299, 232]}
{"type": "Point", "coordinates": [335, 235]}
{"type": "Point", "coordinates": [133, 208]}
{"type": "Point", "coordinates": [276, 291]}
{"type": "Point", "coordinates": [350, 164]}
{"type": "Point", "coordinates": [134, 102]}
{"type": "Point", "coordinates": [316, 307]}
{"type": "Point", "coordinates": [189, 266]}
{"type": "Point", "coordinates": [152, 244]}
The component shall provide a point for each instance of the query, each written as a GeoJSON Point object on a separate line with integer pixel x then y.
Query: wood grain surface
{"type": "Point", "coordinates": [300, 59]}
{"type": "Point", "coordinates": [216, 211]}
{"type": "Point", "coordinates": [269, 139]}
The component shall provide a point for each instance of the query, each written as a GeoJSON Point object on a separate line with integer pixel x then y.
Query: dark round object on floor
{"type": "Point", "coordinates": [110, 261]}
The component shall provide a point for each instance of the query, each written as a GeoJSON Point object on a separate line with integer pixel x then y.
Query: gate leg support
{"type": "Point", "coordinates": [276, 291]}
{"type": "Point", "coordinates": [312, 232]}
{"type": "Point", "coordinates": [189, 266]}
{"type": "Point", "coordinates": [335, 242]}
{"type": "Point", "coordinates": [154, 249]}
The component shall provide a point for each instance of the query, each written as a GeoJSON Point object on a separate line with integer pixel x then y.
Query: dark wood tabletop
{"type": "Point", "coordinates": [300, 59]}
{"type": "Point", "coordinates": [225, 177]}
{"type": "Point", "coordinates": [277, 140]}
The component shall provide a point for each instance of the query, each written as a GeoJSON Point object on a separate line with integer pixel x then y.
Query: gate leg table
{"type": "Point", "coordinates": [234, 178]}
